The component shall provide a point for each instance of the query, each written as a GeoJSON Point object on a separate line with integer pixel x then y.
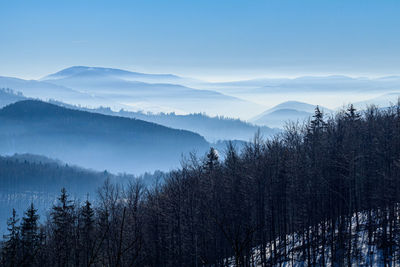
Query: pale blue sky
{"type": "Point", "coordinates": [216, 38]}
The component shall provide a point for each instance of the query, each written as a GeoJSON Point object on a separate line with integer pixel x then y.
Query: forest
{"type": "Point", "coordinates": [93, 140]}
{"type": "Point", "coordinates": [325, 193]}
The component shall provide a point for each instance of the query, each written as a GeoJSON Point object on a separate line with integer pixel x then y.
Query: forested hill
{"type": "Point", "coordinates": [32, 173]}
{"type": "Point", "coordinates": [212, 128]}
{"type": "Point", "coordinates": [8, 96]}
{"type": "Point", "coordinates": [326, 194]}
{"type": "Point", "coordinates": [26, 179]}
{"type": "Point", "coordinates": [93, 140]}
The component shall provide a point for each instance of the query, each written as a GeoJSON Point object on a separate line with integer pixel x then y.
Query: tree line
{"type": "Point", "coordinates": [303, 197]}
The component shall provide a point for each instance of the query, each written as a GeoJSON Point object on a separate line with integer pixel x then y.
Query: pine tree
{"type": "Point", "coordinates": [212, 160]}
{"type": "Point", "coordinates": [351, 113]}
{"type": "Point", "coordinates": [63, 222]}
{"type": "Point", "coordinates": [12, 242]}
{"type": "Point", "coordinates": [318, 120]}
{"type": "Point", "coordinates": [86, 230]}
{"type": "Point", "coordinates": [87, 217]}
{"type": "Point", "coordinates": [29, 235]}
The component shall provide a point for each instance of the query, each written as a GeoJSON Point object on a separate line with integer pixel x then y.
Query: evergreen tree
{"type": "Point", "coordinates": [11, 242]}
{"type": "Point", "coordinates": [351, 113]}
{"type": "Point", "coordinates": [318, 120]}
{"type": "Point", "coordinates": [212, 160]}
{"type": "Point", "coordinates": [63, 221]}
{"type": "Point", "coordinates": [86, 230]}
{"type": "Point", "coordinates": [29, 235]}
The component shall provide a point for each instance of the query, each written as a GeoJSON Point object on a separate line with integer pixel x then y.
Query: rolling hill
{"type": "Point", "coordinates": [150, 92]}
{"type": "Point", "coordinates": [46, 91]}
{"type": "Point", "coordinates": [282, 113]}
{"type": "Point", "coordinates": [83, 71]}
{"type": "Point", "coordinates": [280, 117]}
{"type": "Point", "coordinates": [212, 128]}
{"type": "Point", "coordinates": [93, 140]}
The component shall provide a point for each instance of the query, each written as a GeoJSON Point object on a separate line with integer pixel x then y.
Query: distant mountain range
{"type": "Point", "coordinates": [150, 92]}
{"type": "Point", "coordinates": [212, 128]}
{"type": "Point", "coordinates": [46, 91]}
{"type": "Point", "coordinates": [331, 91]}
{"type": "Point", "coordinates": [142, 95]}
{"type": "Point", "coordinates": [338, 83]}
{"type": "Point", "coordinates": [94, 87]}
{"type": "Point", "coordinates": [220, 128]}
{"type": "Point", "coordinates": [94, 140]}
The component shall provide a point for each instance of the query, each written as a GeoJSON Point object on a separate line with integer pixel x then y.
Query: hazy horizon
{"type": "Point", "coordinates": [215, 78]}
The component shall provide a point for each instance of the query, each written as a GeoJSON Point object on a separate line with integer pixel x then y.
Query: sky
{"type": "Point", "coordinates": [209, 39]}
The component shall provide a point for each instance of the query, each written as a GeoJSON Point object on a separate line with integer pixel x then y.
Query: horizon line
{"type": "Point", "coordinates": [223, 78]}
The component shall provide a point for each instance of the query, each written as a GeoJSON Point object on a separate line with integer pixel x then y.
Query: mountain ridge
{"type": "Point", "coordinates": [70, 71]}
{"type": "Point", "coordinates": [93, 140]}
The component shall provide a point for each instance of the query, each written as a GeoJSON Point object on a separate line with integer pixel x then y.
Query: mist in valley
{"type": "Point", "coordinates": [199, 133]}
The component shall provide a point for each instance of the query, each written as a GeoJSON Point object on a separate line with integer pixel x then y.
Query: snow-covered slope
{"type": "Point", "coordinates": [362, 247]}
